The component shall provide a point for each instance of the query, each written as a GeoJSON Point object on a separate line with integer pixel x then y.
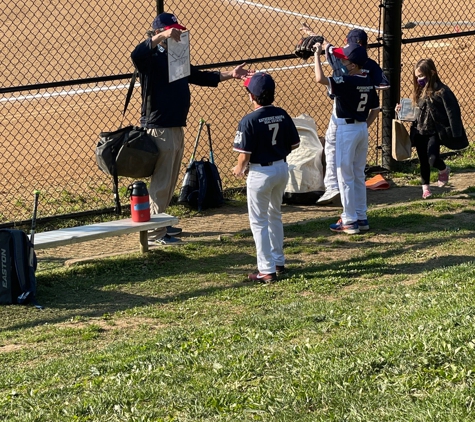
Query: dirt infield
{"type": "Point", "coordinates": [49, 136]}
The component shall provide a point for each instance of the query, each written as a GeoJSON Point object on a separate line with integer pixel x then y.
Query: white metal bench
{"type": "Point", "coordinates": [61, 237]}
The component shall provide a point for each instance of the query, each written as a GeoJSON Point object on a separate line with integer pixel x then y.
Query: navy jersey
{"type": "Point", "coordinates": [268, 134]}
{"type": "Point", "coordinates": [376, 74]}
{"type": "Point", "coordinates": [355, 96]}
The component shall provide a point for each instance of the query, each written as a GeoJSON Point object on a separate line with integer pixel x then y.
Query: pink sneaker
{"type": "Point", "coordinates": [426, 193]}
{"type": "Point", "coordinates": [443, 177]}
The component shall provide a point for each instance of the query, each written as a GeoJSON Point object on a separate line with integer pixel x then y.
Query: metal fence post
{"type": "Point", "coordinates": [392, 36]}
{"type": "Point", "coordinates": [160, 7]}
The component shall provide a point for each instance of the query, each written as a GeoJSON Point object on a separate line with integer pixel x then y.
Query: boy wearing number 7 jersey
{"type": "Point", "coordinates": [356, 107]}
{"type": "Point", "coordinates": [264, 139]}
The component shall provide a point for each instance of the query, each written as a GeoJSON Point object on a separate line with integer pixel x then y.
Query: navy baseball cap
{"type": "Point", "coordinates": [259, 83]}
{"type": "Point", "coordinates": [166, 21]}
{"type": "Point", "coordinates": [357, 36]}
{"type": "Point", "coordinates": [353, 52]}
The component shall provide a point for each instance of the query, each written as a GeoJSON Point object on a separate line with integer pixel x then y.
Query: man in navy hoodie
{"type": "Point", "coordinates": [168, 110]}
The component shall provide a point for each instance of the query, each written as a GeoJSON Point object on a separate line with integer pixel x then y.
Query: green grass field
{"type": "Point", "coordinates": [372, 327]}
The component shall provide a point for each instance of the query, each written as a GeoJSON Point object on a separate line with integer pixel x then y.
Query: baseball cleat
{"type": "Point", "coordinates": [339, 227]}
{"type": "Point", "coordinates": [280, 269]}
{"type": "Point", "coordinates": [263, 278]}
{"type": "Point", "coordinates": [328, 196]}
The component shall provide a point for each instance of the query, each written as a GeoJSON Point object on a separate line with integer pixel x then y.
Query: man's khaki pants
{"type": "Point", "coordinates": [171, 144]}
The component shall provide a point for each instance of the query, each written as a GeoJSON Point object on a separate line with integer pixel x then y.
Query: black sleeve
{"type": "Point", "coordinates": [203, 77]}
{"type": "Point", "coordinates": [452, 109]}
{"type": "Point", "coordinates": [141, 55]}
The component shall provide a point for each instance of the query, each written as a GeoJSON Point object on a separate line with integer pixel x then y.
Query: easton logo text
{"type": "Point", "coordinates": [4, 268]}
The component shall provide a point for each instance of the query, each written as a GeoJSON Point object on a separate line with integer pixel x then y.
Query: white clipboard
{"type": "Point", "coordinates": [178, 57]}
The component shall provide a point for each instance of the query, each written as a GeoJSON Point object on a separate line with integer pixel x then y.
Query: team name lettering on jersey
{"type": "Point", "coordinates": [364, 88]}
{"type": "Point", "coordinates": [271, 119]}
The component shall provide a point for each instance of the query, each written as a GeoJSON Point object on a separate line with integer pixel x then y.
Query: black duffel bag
{"type": "Point", "coordinates": [130, 152]}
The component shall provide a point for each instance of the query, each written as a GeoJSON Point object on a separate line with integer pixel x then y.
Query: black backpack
{"type": "Point", "coordinates": [17, 268]}
{"type": "Point", "coordinates": [202, 188]}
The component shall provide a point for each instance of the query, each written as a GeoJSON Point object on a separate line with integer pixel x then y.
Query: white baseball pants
{"type": "Point", "coordinates": [351, 152]}
{"type": "Point", "coordinates": [265, 189]}
{"type": "Point", "coordinates": [330, 179]}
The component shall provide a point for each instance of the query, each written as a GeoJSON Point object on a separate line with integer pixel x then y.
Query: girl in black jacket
{"type": "Point", "coordinates": [439, 123]}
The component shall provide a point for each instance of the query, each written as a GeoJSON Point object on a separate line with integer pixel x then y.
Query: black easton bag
{"type": "Point", "coordinates": [128, 151]}
{"type": "Point", "coordinates": [17, 272]}
{"type": "Point", "coordinates": [202, 187]}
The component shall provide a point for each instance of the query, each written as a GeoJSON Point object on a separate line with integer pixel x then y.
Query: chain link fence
{"type": "Point", "coordinates": [446, 34]}
{"type": "Point", "coordinates": [66, 70]}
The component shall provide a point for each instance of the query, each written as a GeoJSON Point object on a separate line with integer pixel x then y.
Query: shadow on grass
{"type": "Point", "coordinates": [113, 285]}
{"type": "Point", "coordinates": [205, 268]}
{"type": "Point", "coordinates": [381, 258]}
{"type": "Point", "coordinates": [345, 272]}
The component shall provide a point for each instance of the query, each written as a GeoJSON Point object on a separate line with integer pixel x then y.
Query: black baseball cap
{"type": "Point", "coordinates": [166, 21]}
{"type": "Point", "coordinates": [259, 83]}
{"type": "Point", "coordinates": [357, 36]}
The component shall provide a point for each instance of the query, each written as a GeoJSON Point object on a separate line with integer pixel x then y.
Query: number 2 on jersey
{"type": "Point", "coordinates": [363, 100]}
{"type": "Point", "coordinates": [275, 128]}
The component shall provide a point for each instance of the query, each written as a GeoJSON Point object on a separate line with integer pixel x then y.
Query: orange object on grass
{"type": "Point", "coordinates": [377, 182]}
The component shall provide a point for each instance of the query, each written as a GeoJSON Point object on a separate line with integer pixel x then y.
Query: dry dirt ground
{"type": "Point", "coordinates": [49, 136]}
{"type": "Point", "coordinates": [231, 219]}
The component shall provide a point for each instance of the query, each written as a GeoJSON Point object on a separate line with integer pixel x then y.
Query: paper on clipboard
{"type": "Point", "coordinates": [178, 57]}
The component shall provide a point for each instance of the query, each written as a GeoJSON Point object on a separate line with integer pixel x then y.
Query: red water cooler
{"type": "Point", "coordinates": [139, 202]}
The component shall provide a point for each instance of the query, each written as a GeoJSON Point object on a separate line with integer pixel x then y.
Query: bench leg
{"type": "Point", "coordinates": [144, 241]}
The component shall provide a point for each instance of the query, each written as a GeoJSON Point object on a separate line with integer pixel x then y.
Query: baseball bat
{"type": "Point", "coordinates": [211, 155]}
{"type": "Point", "coordinates": [33, 228]}
{"type": "Point", "coordinates": [202, 122]}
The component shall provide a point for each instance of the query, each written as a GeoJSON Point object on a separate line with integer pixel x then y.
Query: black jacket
{"type": "Point", "coordinates": [170, 101]}
{"type": "Point", "coordinates": [445, 112]}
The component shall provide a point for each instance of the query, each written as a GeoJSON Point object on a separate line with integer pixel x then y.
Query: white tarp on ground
{"type": "Point", "coordinates": [305, 162]}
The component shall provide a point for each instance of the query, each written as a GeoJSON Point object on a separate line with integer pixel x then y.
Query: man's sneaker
{"type": "Point", "coordinates": [443, 177]}
{"type": "Point", "coordinates": [363, 224]}
{"type": "Point", "coordinates": [165, 240]}
{"type": "Point", "coordinates": [280, 269]}
{"type": "Point", "coordinates": [328, 196]}
{"type": "Point", "coordinates": [263, 278]}
{"type": "Point", "coordinates": [339, 227]}
{"type": "Point", "coordinates": [173, 231]}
